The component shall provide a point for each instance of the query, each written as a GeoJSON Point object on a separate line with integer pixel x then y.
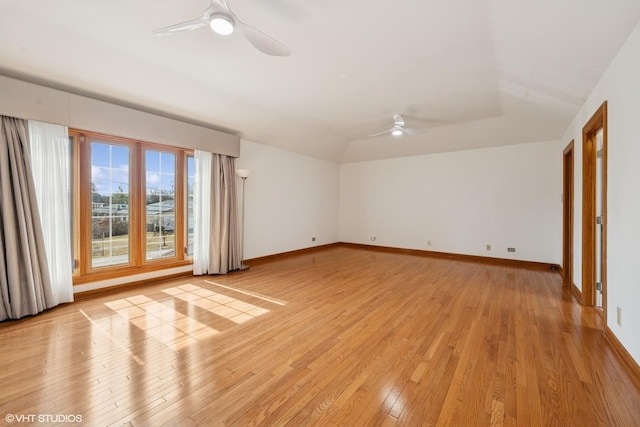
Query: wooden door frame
{"type": "Point", "coordinates": [596, 122]}
{"type": "Point", "coordinates": [567, 216]}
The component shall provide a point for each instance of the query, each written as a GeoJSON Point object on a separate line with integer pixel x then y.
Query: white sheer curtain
{"type": "Point", "coordinates": [201, 212]}
{"type": "Point", "coordinates": [51, 168]}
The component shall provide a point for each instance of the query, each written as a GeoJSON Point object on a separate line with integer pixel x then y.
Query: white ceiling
{"type": "Point", "coordinates": [474, 73]}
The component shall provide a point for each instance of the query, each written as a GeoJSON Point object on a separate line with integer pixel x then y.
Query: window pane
{"type": "Point", "coordinates": [160, 178]}
{"type": "Point", "coordinates": [191, 176]}
{"type": "Point", "coordinates": [72, 183]}
{"type": "Point", "coordinates": [110, 244]}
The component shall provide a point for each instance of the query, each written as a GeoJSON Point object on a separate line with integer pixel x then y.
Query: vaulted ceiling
{"type": "Point", "coordinates": [471, 73]}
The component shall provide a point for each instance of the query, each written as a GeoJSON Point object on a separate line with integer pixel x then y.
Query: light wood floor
{"type": "Point", "coordinates": [342, 336]}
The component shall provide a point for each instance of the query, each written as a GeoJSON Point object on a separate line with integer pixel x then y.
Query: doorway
{"type": "Point", "coordinates": [567, 216]}
{"type": "Point", "coordinates": [599, 240]}
{"type": "Point", "coordinates": [594, 210]}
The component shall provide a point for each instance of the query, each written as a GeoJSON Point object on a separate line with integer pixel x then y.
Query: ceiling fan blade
{"type": "Point", "coordinates": [222, 3]}
{"type": "Point", "coordinates": [413, 131]}
{"type": "Point", "coordinates": [263, 42]}
{"type": "Point", "coordinates": [194, 24]}
{"type": "Point", "coordinates": [380, 133]}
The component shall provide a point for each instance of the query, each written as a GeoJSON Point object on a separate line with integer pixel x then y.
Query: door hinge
{"type": "Point", "coordinates": [600, 153]}
{"type": "Point", "coordinates": [599, 286]}
{"type": "Point", "coordinates": [599, 220]}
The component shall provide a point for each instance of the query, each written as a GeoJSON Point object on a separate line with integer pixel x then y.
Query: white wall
{"type": "Point", "coordinates": [460, 201]}
{"type": "Point", "coordinates": [290, 198]}
{"type": "Point", "coordinates": [620, 86]}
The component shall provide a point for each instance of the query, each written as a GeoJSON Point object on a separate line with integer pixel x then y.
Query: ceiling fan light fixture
{"type": "Point", "coordinates": [221, 24]}
{"type": "Point", "coordinates": [396, 132]}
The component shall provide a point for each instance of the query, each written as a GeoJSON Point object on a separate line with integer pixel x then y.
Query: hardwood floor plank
{"type": "Point", "coordinates": [339, 337]}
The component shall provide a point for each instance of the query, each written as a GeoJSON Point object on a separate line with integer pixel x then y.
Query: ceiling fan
{"type": "Point", "coordinates": [398, 128]}
{"type": "Point", "coordinates": [219, 17]}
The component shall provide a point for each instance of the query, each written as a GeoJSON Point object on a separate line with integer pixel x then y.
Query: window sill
{"type": "Point", "coordinates": [122, 272]}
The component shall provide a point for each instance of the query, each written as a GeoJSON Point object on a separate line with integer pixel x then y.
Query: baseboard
{"type": "Point", "coordinates": [629, 362]}
{"type": "Point", "coordinates": [530, 265]}
{"type": "Point", "coordinates": [282, 255]}
{"type": "Point", "coordinates": [576, 292]}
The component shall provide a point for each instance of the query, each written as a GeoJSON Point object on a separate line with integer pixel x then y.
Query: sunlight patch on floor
{"type": "Point", "coordinates": [253, 294]}
{"type": "Point", "coordinates": [170, 327]}
{"type": "Point", "coordinates": [221, 305]}
{"type": "Point", "coordinates": [175, 329]}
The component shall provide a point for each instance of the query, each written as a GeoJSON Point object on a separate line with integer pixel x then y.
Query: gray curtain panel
{"type": "Point", "coordinates": [25, 286]}
{"type": "Point", "coordinates": [224, 244]}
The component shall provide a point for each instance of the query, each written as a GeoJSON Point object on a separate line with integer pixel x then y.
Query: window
{"type": "Point", "coordinates": [110, 182]}
{"type": "Point", "coordinates": [160, 179]}
{"type": "Point", "coordinates": [191, 179]}
{"type": "Point", "coordinates": [132, 206]}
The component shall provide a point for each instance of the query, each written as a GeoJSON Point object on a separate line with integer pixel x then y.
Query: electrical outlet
{"type": "Point", "coordinates": [619, 313]}
{"type": "Point", "coordinates": [488, 247]}
{"type": "Point", "coordinates": [511, 249]}
{"type": "Point", "coordinates": [373, 238]}
{"type": "Point", "coordinates": [313, 239]}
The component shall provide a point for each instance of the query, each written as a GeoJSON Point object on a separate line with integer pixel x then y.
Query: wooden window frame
{"type": "Point", "coordinates": [83, 271]}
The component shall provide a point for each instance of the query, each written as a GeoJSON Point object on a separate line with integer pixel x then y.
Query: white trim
{"type": "Point", "coordinates": [35, 102]}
